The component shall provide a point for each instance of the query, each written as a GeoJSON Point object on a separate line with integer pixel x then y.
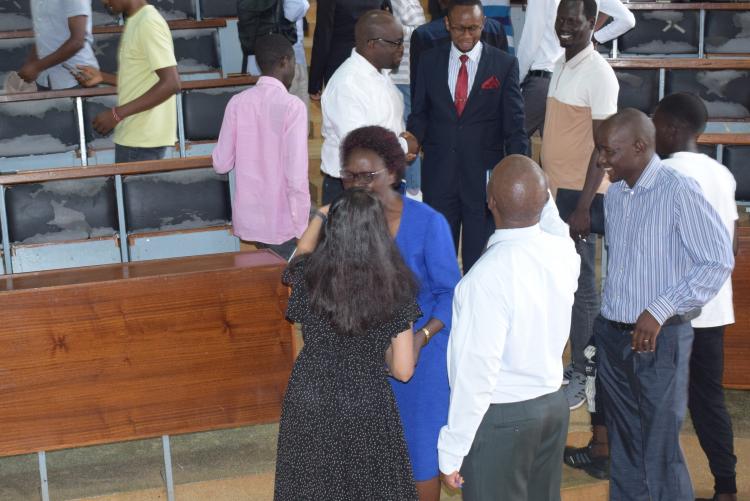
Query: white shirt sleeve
{"type": "Point", "coordinates": [295, 10]}
{"type": "Point", "coordinates": [75, 8]}
{"type": "Point", "coordinates": [622, 20]}
{"type": "Point", "coordinates": [477, 341]}
{"type": "Point", "coordinates": [538, 14]}
{"type": "Point", "coordinates": [410, 14]}
{"type": "Point", "coordinates": [551, 222]}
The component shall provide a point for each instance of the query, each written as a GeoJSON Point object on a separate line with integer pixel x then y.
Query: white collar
{"type": "Point", "coordinates": [514, 234]}
{"type": "Point", "coordinates": [364, 64]}
{"type": "Point", "coordinates": [474, 54]}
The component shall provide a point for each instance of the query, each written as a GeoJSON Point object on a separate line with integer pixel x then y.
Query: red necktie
{"type": "Point", "coordinates": [462, 85]}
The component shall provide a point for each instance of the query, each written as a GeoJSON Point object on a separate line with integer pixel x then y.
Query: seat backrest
{"type": "Point", "coordinates": [196, 50]}
{"type": "Point", "coordinates": [13, 54]}
{"type": "Point", "coordinates": [105, 48]}
{"type": "Point", "coordinates": [175, 9]}
{"type": "Point", "coordinates": [638, 89]}
{"type": "Point", "coordinates": [726, 93]}
{"type": "Point", "coordinates": [726, 32]}
{"type": "Point", "coordinates": [15, 15]}
{"type": "Point", "coordinates": [176, 200]}
{"type": "Point", "coordinates": [101, 16]}
{"type": "Point", "coordinates": [737, 160]}
{"type": "Point", "coordinates": [218, 8]}
{"type": "Point", "coordinates": [203, 111]}
{"type": "Point", "coordinates": [662, 32]}
{"type": "Point", "coordinates": [75, 209]}
{"type": "Point", "coordinates": [92, 106]}
{"type": "Point", "coordinates": [38, 127]}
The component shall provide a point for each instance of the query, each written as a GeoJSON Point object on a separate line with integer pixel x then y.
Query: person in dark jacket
{"type": "Point", "coordinates": [334, 37]}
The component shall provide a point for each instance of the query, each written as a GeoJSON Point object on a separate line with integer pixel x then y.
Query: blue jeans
{"type": "Point", "coordinates": [645, 399]}
{"type": "Point", "coordinates": [413, 171]}
{"type": "Point", "coordinates": [125, 154]}
{"type": "Point", "coordinates": [585, 303]}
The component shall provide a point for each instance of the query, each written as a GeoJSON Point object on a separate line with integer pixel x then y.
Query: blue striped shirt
{"type": "Point", "coordinates": [668, 251]}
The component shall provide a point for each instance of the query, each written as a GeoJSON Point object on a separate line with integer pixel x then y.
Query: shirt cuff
{"type": "Point", "coordinates": [661, 309]}
{"type": "Point", "coordinates": [404, 144]}
{"type": "Point", "coordinates": [449, 463]}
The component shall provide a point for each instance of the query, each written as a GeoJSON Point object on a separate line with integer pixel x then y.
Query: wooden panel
{"type": "Point", "coordinates": [680, 63]}
{"type": "Point", "coordinates": [176, 24]}
{"type": "Point", "coordinates": [737, 336]}
{"type": "Point", "coordinates": [724, 138]}
{"type": "Point", "coordinates": [110, 90]}
{"type": "Point", "coordinates": [688, 6]}
{"type": "Point", "coordinates": [121, 352]}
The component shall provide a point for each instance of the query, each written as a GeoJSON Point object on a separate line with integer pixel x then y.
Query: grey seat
{"type": "Point", "coordinates": [737, 160]}
{"type": "Point", "coordinates": [203, 111]}
{"type": "Point", "coordinates": [638, 89]}
{"type": "Point", "coordinates": [38, 127]}
{"type": "Point", "coordinates": [726, 93]}
{"type": "Point", "coordinates": [723, 28]}
{"type": "Point", "coordinates": [218, 8]}
{"type": "Point", "coordinates": [662, 32]}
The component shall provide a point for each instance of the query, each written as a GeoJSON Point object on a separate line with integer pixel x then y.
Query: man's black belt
{"type": "Point", "coordinates": [540, 73]}
{"type": "Point", "coordinates": [675, 320]}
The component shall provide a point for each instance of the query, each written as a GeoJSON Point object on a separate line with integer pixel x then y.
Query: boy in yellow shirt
{"type": "Point", "coordinates": [145, 118]}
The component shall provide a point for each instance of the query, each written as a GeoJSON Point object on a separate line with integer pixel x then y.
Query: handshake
{"type": "Point", "coordinates": [413, 146]}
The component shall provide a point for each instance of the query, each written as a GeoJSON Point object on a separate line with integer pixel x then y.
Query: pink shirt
{"type": "Point", "coordinates": [264, 137]}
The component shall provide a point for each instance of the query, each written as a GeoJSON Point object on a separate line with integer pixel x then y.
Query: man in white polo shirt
{"type": "Point", "coordinates": [582, 93]}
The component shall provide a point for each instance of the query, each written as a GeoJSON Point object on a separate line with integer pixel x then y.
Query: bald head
{"type": "Point", "coordinates": [633, 123]}
{"type": "Point", "coordinates": [517, 192]}
{"type": "Point", "coordinates": [373, 24]}
{"type": "Point", "coordinates": [625, 142]}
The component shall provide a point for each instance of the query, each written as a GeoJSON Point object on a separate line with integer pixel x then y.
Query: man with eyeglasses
{"type": "Point", "coordinates": [467, 126]}
{"type": "Point", "coordinates": [361, 93]}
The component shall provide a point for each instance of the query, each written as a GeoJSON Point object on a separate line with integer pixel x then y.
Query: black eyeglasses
{"type": "Point", "coordinates": [466, 29]}
{"type": "Point", "coordinates": [364, 177]}
{"type": "Point", "coordinates": [395, 43]}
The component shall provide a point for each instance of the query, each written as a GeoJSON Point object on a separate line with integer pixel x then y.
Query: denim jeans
{"type": "Point", "coordinates": [586, 303]}
{"type": "Point", "coordinates": [414, 170]}
{"type": "Point", "coordinates": [125, 154]}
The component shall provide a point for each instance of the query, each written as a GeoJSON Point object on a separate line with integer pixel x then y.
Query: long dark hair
{"type": "Point", "coordinates": [356, 277]}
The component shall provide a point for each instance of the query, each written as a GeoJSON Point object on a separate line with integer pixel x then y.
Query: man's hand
{"type": "Point", "coordinates": [30, 71]}
{"type": "Point", "coordinates": [453, 480]}
{"type": "Point", "coordinates": [412, 145]}
{"type": "Point", "coordinates": [580, 224]}
{"type": "Point", "coordinates": [104, 122]}
{"type": "Point", "coordinates": [88, 76]}
{"type": "Point", "coordinates": [646, 330]}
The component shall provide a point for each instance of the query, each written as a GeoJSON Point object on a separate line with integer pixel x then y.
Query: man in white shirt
{"type": "Point", "coordinates": [539, 48]}
{"type": "Point", "coordinates": [295, 10]}
{"type": "Point", "coordinates": [62, 40]}
{"type": "Point", "coordinates": [679, 120]}
{"type": "Point", "coordinates": [508, 418]}
{"type": "Point", "coordinates": [361, 93]}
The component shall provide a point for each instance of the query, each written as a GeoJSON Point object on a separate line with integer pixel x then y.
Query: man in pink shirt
{"type": "Point", "coordinates": [264, 138]}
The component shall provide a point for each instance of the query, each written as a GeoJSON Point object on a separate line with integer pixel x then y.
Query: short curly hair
{"type": "Point", "coordinates": [380, 141]}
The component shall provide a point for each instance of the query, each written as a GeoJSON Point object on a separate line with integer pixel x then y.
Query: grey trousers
{"type": "Point", "coordinates": [516, 451]}
{"type": "Point", "coordinates": [645, 399]}
{"type": "Point", "coordinates": [586, 303]}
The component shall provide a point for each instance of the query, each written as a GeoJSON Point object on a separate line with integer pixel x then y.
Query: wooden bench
{"type": "Point", "coordinates": [129, 351]}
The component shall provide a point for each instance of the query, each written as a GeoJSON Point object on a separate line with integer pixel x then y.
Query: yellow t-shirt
{"type": "Point", "coordinates": [145, 47]}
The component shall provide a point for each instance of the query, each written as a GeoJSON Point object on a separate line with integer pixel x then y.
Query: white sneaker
{"type": "Point", "coordinates": [575, 391]}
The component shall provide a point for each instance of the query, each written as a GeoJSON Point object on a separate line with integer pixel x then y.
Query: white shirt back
{"type": "Point", "coordinates": [718, 186]}
{"type": "Point", "coordinates": [357, 95]}
{"type": "Point", "coordinates": [511, 320]}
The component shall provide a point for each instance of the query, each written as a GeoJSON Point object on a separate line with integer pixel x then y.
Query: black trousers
{"type": "Point", "coordinates": [707, 408]}
{"type": "Point", "coordinates": [332, 188]}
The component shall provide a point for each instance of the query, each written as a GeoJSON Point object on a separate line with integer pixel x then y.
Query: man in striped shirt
{"type": "Point", "coordinates": [669, 254]}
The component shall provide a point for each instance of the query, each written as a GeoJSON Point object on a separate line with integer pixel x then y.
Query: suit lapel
{"type": "Point", "coordinates": [481, 76]}
{"type": "Point", "coordinates": [443, 81]}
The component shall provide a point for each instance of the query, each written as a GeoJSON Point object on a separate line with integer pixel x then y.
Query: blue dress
{"type": "Point", "coordinates": [426, 244]}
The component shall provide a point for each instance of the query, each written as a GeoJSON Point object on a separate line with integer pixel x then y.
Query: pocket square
{"type": "Point", "coordinates": [491, 83]}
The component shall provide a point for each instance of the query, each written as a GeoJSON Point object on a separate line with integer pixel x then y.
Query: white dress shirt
{"type": "Point", "coordinates": [454, 66]}
{"type": "Point", "coordinates": [294, 11]}
{"type": "Point", "coordinates": [511, 320]}
{"type": "Point", "coordinates": [357, 95]}
{"type": "Point", "coordinates": [718, 186]}
{"type": "Point", "coordinates": [539, 48]}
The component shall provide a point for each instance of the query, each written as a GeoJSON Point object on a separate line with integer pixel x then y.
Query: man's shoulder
{"type": "Point", "coordinates": [497, 55]}
{"type": "Point", "coordinates": [493, 26]}
{"type": "Point", "coordinates": [597, 64]}
{"type": "Point", "coordinates": [435, 29]}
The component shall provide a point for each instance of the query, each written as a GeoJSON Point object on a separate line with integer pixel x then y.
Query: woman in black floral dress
{"type": "Point", "coordinates": [340, 436]}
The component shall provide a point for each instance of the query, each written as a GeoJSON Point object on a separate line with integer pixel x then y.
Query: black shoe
{"type": "Point", "coordinates": [582, 459]}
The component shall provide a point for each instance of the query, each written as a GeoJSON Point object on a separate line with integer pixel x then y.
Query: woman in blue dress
{"type": "Point", "coordinates": [373, 159]}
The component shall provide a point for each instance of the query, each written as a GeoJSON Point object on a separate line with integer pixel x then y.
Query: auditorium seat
{"type": "Point", "coordinates": [737, 160]}
{"type": "Point", "coordinates": [15, 15]}
{"type": "Point", "coordinates": [196, 50]}
{"type": "Point", "coordinates": [101, 16]}
{"type": "Point", "coordinates": [105, 48]}
{"type": "Point", "coordinates": [638, 89]}
{"type": "Point", "coordinates": [726, 93]}
{"type": "Point", "coordinates": [92, 106]}
{"type": "Point", "coordinates": [180, 213]}
{"type": "Point", "coordinates": [61, 224]}
{"type": "Point", "coordinates": [203, 111]}
{"type": "Point", "coordinates": [38, 127]}
{"type": "Point", "coordinates": [175, 9]}
{"type": "Point", "coordinates": [726, 32]}
{"type": "Point", "coordinates": [218, 8]}
{"type": "Point", "coordinates": [662, 32]}
{"type": "Point", "coordinates": [708, 149]}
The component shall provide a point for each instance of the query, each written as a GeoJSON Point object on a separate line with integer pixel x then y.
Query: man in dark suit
{"type": "Point", "coordinates": [435, 33]}
{"type": "Point", "coordinates": [467, 114]}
